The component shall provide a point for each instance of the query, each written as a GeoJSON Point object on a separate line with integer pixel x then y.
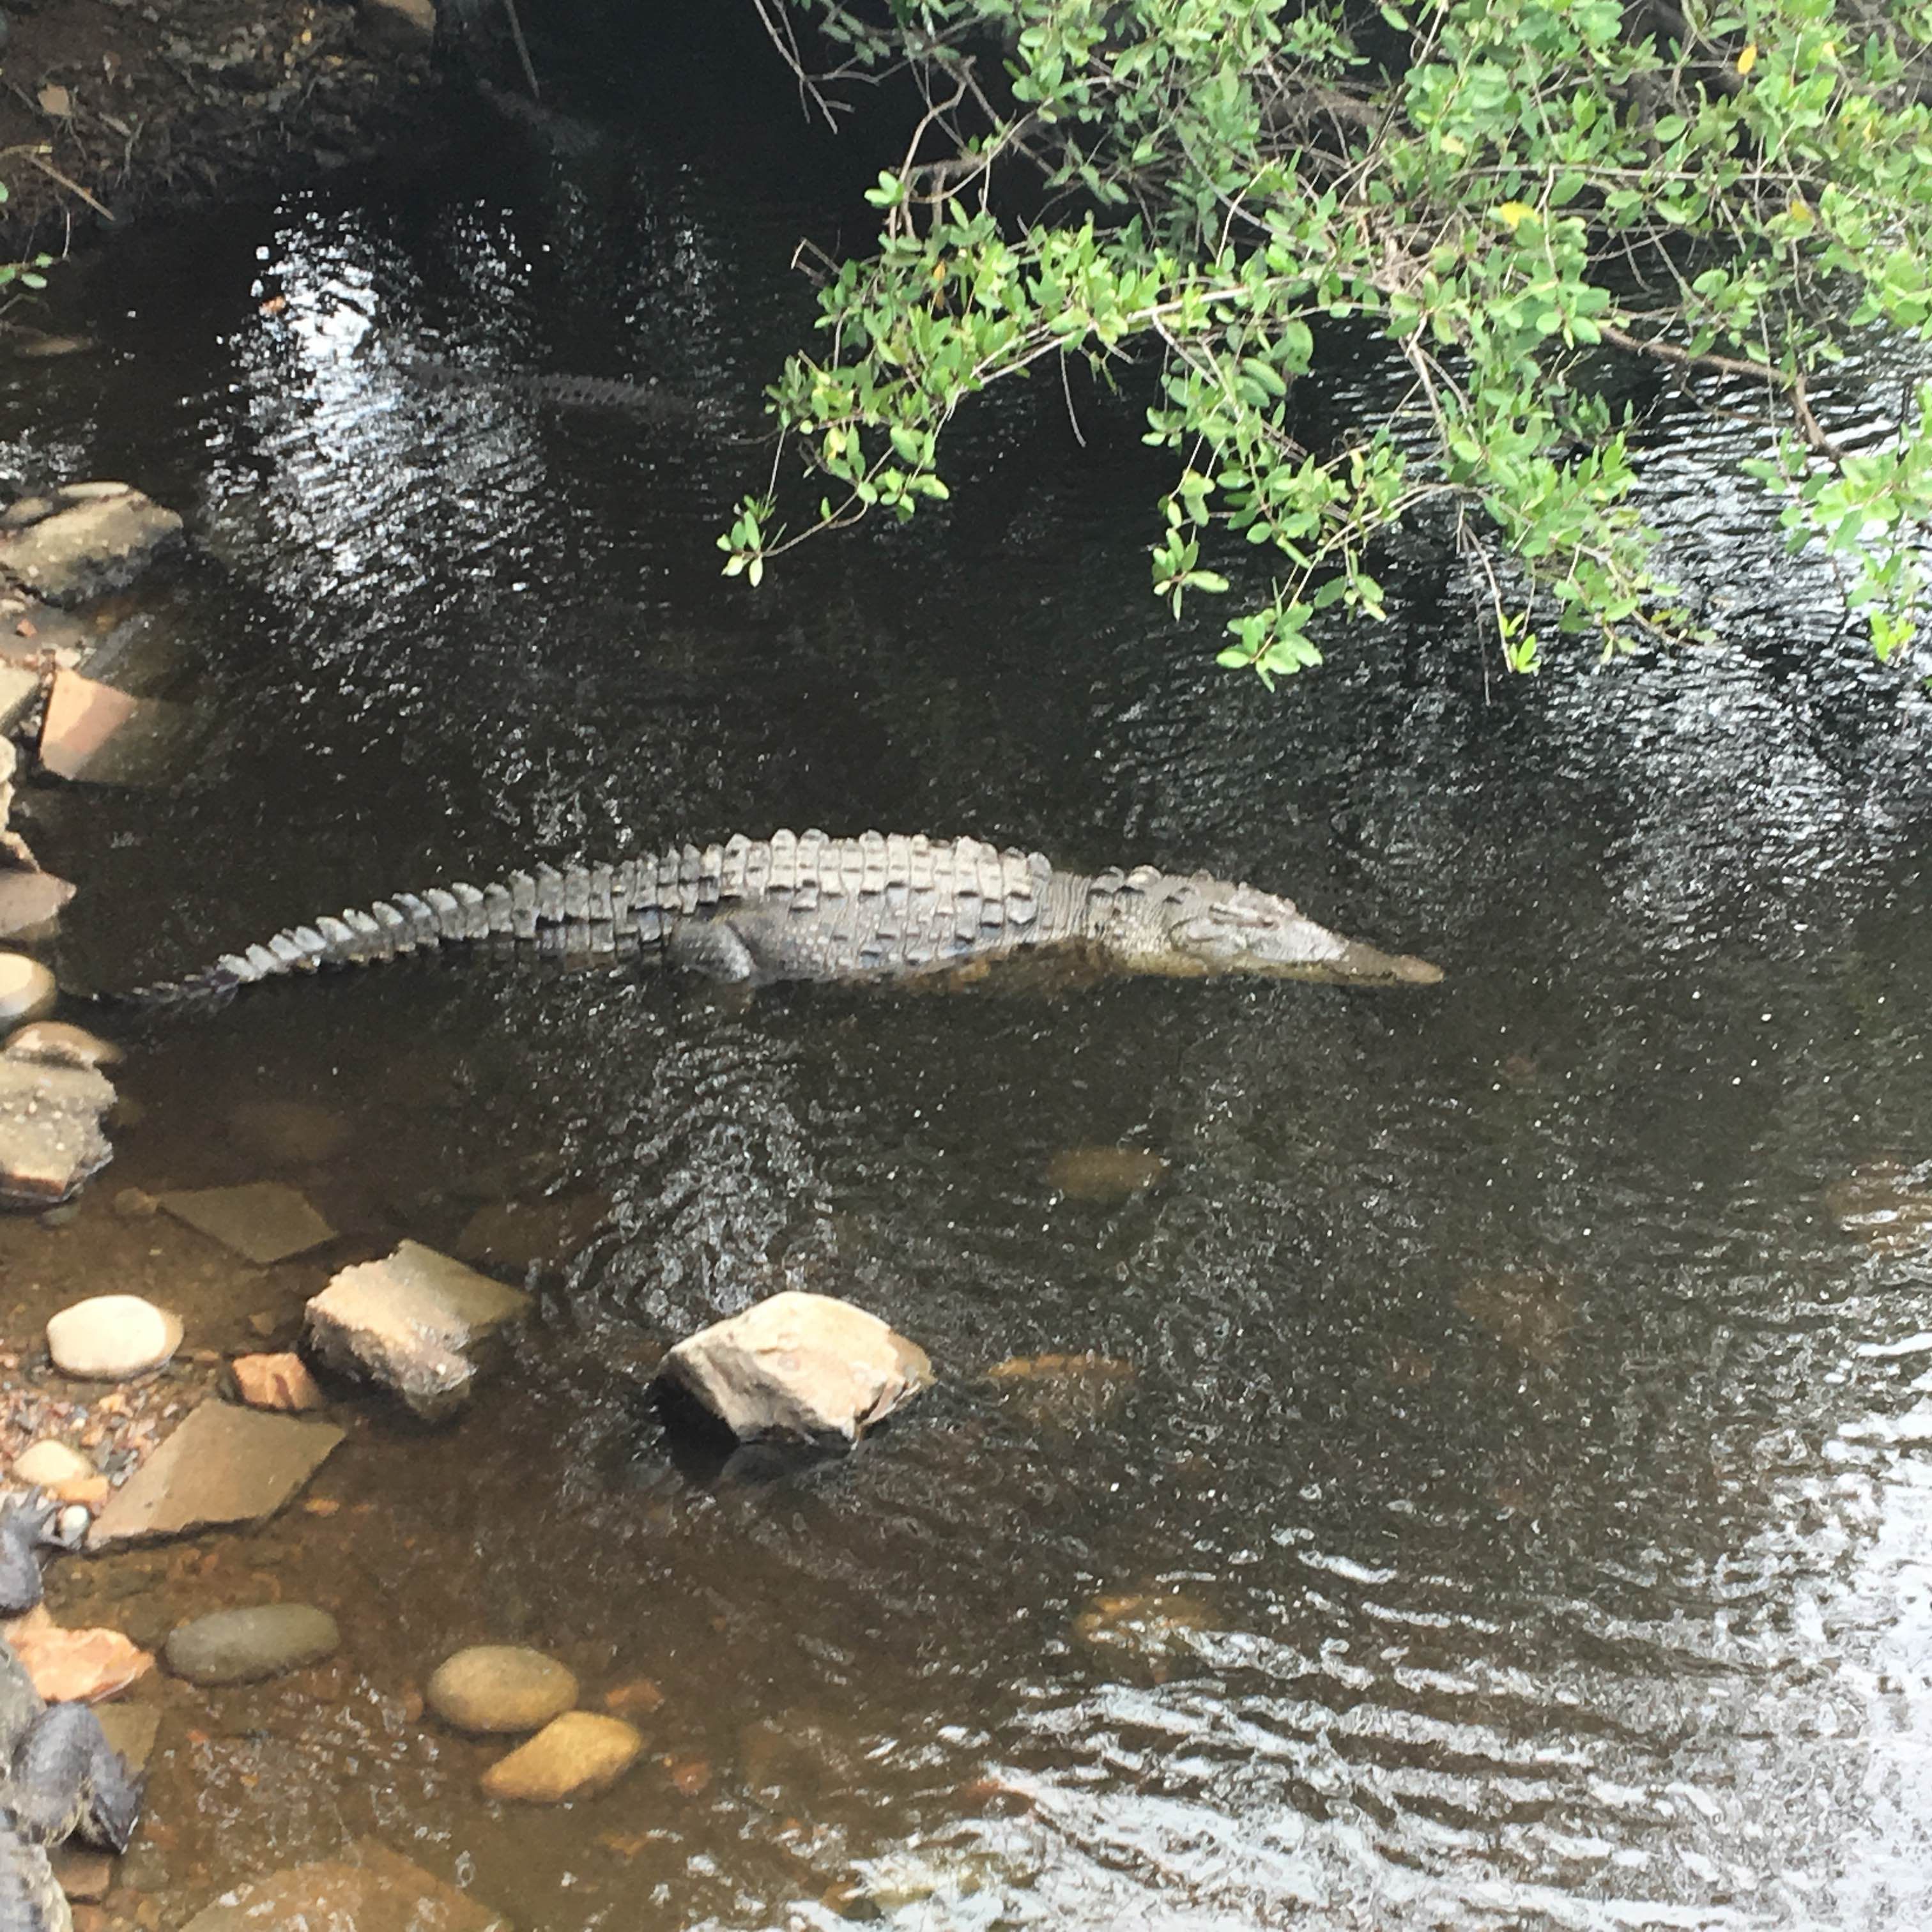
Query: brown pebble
{"type": "Point", "coordinates": [276, 1381]}
{"type": "Point", "coordinates": [637, 1698]}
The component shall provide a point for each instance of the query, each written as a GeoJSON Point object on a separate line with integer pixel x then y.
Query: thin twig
{"type": "Point", "coordinates": [523, 49]}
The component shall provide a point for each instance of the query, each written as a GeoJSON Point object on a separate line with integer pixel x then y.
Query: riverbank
{"type": "Point", "coordinates": [112, 108]}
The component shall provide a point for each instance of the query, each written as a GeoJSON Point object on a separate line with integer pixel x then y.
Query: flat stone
{"type": "Point", "coordinates": [288, 1133]}
{"type": "Point", "coordinates": [244, 1646]}
{"type": "Point", "coordinates": [575, 1755]}
{"type": "Point", "coordinates": [95, 732]}
{"type": "Point", "coordinates": [131, 1729]}
{"type": "Point", "coordinates": [411, 1322]}
{"type": "Point", "coordinates": [222, 1465]}
{"type": "Point", "coordinates": [51, 1138]}
{"type": "Point", "coordinates": [24, 510]}
{"type": "Point", "coordinates": [89, 546]}
{"type": "Point", "coordinates": [77, 1667]}
{"type": "Point", "coordinates": [27, 988]}
{"type": "Point", "coordinates": [110, 1337]}
{"type": "Point", "coordinates": [47, 1464]}
{"type": "Point", "coordinates": [370, 1889]}
{"type": "Point", "coordinates": [264, 1221]}
{"type": "Point", "coordinates": [100, 492]}
{"type": "Point", "coordinates": [500, 1686]}
{"type": "Point", "coordinates": [799, 1365]}
{"type": "Point", "coordinates": [277, 1381]}
{"type": "Point", "coordinates": [56, 1043]}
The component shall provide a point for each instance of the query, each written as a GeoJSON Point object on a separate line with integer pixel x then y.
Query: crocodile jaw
{"type": "Point", "coordinates": [1255, 933]}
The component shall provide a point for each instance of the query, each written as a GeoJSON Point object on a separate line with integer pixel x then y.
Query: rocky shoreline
{"type": "Point", "coordinates": [115, 108]}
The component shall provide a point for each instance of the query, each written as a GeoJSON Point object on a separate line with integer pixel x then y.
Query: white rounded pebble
{"type": "Point", "coordinates": [108, 1337]}
{"type": "Point", "coordinates": [46, 1463]}
{"type": "Point", "coordinates": [27, 988]}
{"type": "Point", "coordinates": [73, 1524]}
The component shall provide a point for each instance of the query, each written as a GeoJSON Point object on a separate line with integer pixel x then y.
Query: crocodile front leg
{"type": "Point", "coordinates": [67, 1778]}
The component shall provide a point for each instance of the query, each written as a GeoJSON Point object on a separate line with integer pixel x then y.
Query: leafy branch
{"type": "Point", "coordinates": [1516, 197]}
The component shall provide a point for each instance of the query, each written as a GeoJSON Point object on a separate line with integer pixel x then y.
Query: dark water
{"type": "Point", "coordinates": [1519, 1514]}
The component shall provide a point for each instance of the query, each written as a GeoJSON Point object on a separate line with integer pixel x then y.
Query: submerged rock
{"type": "Point", "coordinates": [1532, 1313]}
{"type": "Point", "coordinates": [51, 1138]}
{"type": "Point", "coordinates": [798, 1364]}
{"type": "Point", "coordinates": [243, 1646]}
{"type": "Point", "coordinates": [288, 1133]}
{"type": "Point", "coordinates": [1104, 1173]}
{"type": "Point", "coordinates": [493, 1687]}
{"type": "Point", "coordinates": [413, 1323]}
{"type": "Point", "coordinates": [110, 1337]}
{"type": "Point", "coordinates": [575, 1755]}
{"type": "Point", "coordinates": [93, 543]}
{"type": "Point", "coordinates": [95, 732]}
{"type": "Point", "coordinates": [369, 1889]}
{"type": "Point", "coordinates": [1887, 1206]}
{"type": "Point", "coordinates": [1063, 1389]}
{"type": "Point", "coordinates": [1148, 1624]}
{"type": "Point", "coordinates": [131, 1729]}
{"type": "Point", "coordinates": [222, 1465]}
{"type": "Point", "coordinates": [263, 1222]}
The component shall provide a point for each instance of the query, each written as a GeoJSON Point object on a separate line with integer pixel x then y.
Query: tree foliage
{"type": "Point", "coordinates": [1513, 197]}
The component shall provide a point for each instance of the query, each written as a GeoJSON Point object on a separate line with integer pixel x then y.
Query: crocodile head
{"type": "Point", "coordinates": [1204, 925]}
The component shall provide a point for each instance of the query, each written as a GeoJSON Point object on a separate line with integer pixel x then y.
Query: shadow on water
{"type": "Point", "coordinates": [1515, 1515]}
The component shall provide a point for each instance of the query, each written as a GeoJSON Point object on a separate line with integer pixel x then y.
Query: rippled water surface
{"type": "Point", "coordinates": [1517, 1514]}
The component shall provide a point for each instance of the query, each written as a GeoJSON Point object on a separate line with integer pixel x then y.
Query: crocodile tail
{"type": "Point", "coordinates": [586, 909]}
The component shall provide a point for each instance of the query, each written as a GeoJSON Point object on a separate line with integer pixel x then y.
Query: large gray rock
{"type": "Point", "coordinates": [799, 1365]}
{"type": "Point", "coordinates": [244, 1646]}
{"type": "Point", "coordinates": [50, 1133]}
{"type": "Point", "coordinates": [97, 544]}
{"type": "Point", "coordinates": [223, 1465]}
{"type": "Point", "coordinates": [413, 1322]}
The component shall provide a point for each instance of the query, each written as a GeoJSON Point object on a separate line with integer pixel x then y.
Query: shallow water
{"type": "Point", "coordinates": [1523, 1474]}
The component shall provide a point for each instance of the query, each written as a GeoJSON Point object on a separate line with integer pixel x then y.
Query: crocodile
{"type": "Point", "coordinates": [805, 906]}
{"type": "Point", "coordinates": [59, 1776]}
{"type": "Point", "coordinates": [564, 390]}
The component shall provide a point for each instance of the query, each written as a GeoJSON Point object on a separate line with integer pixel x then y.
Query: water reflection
{"type": "Point", "coordinates": [1511, 1513]}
